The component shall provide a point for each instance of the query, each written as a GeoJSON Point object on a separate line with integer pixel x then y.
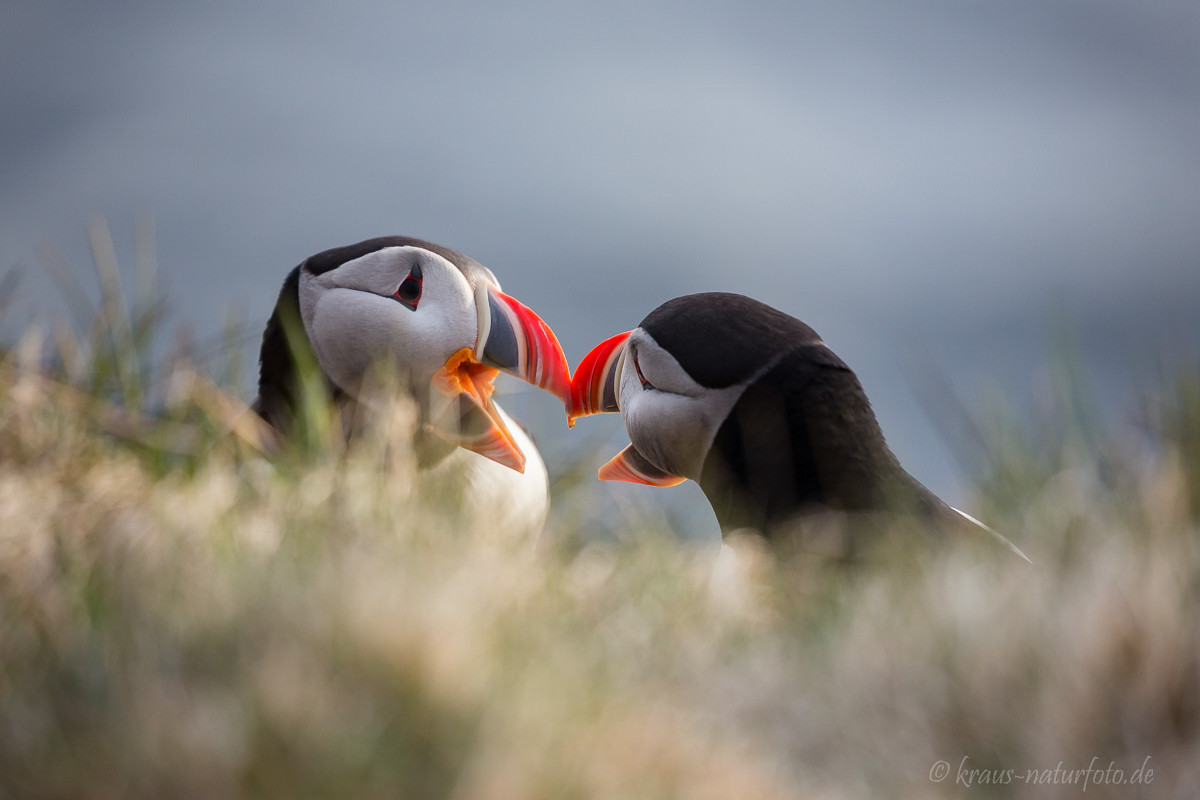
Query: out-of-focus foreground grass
{"type": "Point", "coordinates": [180, 617]}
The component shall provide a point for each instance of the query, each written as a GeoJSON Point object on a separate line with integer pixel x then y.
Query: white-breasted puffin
{"type": "Point", "coordinates": [441, 321]}
{"type": "Point", "coordinates": [751, 404]}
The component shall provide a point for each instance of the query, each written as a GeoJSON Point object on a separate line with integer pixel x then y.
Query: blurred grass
{"type": "Point", "coordinates": [182, 617]}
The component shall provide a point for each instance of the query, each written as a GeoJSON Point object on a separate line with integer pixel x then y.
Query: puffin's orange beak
{"type": "Point", "coordinates": [595, 389]}
{"type": "Point", "coordinates": [511, 339]}
{"type": "Point", "coordinates": [468, 417]}
{"type": "Point", "coordinates": [632, 467]}
{"type": "Point", "coordinates": [596, 385]}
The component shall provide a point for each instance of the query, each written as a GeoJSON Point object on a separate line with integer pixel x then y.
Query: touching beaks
{"type": "Point", "coordinates": [511, 339]}
{"type": "Point", "coordinates": [595, 389]}
{"type": "Point", "coordinates": [631, 466]}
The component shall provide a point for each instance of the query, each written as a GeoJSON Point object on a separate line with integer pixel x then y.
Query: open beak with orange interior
{"type": "Point", "coordinates": [512, 339]}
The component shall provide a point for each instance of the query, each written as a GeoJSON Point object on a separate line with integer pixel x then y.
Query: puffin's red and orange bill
{"type": "Point", "coordinates": [631, 466]}
{"type": "Point", "coordinates": [513, 339]}
{"type": "Point", "coordinates": [595, 387]}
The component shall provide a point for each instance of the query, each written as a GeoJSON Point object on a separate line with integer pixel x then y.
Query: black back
{"type": "Point", "coordinates": [284, 344]}
{"type": "Point", "coordinates": [802, 437]}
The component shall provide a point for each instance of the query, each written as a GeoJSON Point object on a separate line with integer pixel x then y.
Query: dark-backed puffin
{"type": "Point", "coordinates": [751, 404]}
{"type": "Point", "coordinates": [440, 319]}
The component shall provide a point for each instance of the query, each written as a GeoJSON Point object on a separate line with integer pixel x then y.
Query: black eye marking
{"type": "Point", "coordinates": [409, 292]}
{"type": "Point", "coordinates": [637, 367]}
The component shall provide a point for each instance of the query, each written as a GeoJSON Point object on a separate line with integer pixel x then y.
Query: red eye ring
{"type": "Point", "coordinates": [409, 293]}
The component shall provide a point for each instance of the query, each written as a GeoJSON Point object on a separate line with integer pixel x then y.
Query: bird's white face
{"type": "Point", "coordinates": [671, 419]}
{"type": "Point", "coordinates": [406, 304]}
{"type": "Point", "coordinates": [448, 337]}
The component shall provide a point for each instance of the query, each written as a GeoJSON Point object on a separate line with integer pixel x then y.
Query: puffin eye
{"type": "Point", "coordinates": [409, 292]}
{"type": "Point", "coordinates": [637, 367]}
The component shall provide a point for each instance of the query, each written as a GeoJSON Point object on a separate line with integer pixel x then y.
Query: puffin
{"type": "Point", "coordinates": [751, 404]}
{"type": "Point", "coordinates": [440, 320]}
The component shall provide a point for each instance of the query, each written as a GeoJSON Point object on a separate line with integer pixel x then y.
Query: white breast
{"type": "Point", "coordinates": [500, 502]}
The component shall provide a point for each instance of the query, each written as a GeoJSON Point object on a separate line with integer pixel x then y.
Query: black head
{"type": "Point", "coordinates": [722, 339]}
{"type": "Point", "coordinates": [335, 257]}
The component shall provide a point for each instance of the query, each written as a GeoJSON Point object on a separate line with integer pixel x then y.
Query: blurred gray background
{"type": "Point", "coordinates": [935, 187]}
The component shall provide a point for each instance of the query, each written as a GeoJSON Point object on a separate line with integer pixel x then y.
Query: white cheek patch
{"type": "Point", "coordinates": [674, 431]}
{"type": "Point", "coordinates": [348, 329]}
{"type": "Point", "coordinates": [661, 368]}
{"type": "Point", "coordinates": [350, 317]}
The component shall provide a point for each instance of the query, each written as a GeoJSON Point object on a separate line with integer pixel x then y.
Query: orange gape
{"type": "Point", "coordinates": [462, 373]}
{"type": "Point", "coordinates": [461, 376]}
